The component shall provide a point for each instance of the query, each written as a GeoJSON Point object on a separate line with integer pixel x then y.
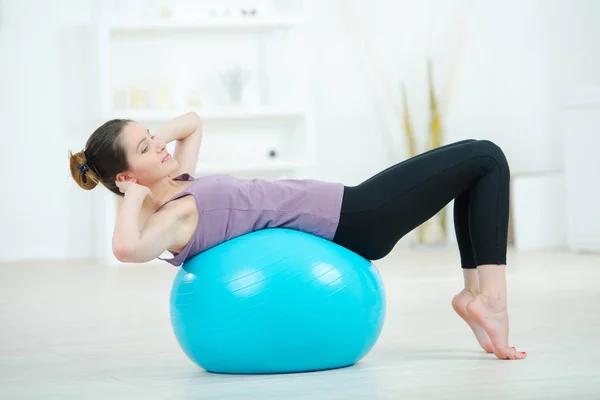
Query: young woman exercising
{"type": "Point", "coordinates": [165, 208]}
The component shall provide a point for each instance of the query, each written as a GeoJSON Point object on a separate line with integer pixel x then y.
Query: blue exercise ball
{"type": "Point", "coordinates": [277, 301]}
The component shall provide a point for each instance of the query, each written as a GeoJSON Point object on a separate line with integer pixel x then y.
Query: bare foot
{"type": "Point", "coordinates": [494, 321]}
{"type": "Point", "coordinates": [459, 303]}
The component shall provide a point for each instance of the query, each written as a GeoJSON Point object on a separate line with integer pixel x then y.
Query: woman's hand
{"type": "Point", "coordinates": [129, 186]}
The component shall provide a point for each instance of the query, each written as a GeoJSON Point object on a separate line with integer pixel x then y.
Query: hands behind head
{"type": "Point", "coordinates": [128, 185]}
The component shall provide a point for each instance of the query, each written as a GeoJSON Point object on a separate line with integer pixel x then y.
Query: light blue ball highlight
{"type": "Point", "coordinates": [277, 301]}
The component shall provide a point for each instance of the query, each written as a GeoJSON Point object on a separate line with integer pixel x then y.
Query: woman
{"type": "Point", "coordinates": [164, 208]}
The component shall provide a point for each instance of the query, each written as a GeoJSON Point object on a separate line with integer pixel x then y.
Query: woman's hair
{"type": "Point", "coordinates": [103, 158]}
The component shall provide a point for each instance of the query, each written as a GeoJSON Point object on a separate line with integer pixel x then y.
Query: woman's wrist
{"type": "Point", "coordinates": [138, 192]}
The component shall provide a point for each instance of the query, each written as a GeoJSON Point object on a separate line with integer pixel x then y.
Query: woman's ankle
{"type": "Point", "coordinates": [471, 278]}
{"type": "Point", "coordinates": [495, 301]}
{"type": "Point", "coordinates": [492, 282]}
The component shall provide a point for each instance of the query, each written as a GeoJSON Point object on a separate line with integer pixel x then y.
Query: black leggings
{"type": "Point", "coordinates": [377, 213]}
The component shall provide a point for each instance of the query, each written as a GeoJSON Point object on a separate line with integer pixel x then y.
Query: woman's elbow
{"type": "Point", "coordinates": [193, 117]}
{"type": "Point", "coordinates": [138, 254]}
{"type": "Point", "coordinates": [125, 254]}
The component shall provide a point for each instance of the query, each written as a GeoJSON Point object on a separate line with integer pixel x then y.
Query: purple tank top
{"type": "Point", "coordinates": [229, 207]}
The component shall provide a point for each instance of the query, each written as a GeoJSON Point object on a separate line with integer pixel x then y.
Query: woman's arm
{"type": "Point", "coordinates": [186, 129]}
{"type": "Point", "coordinates": [132, 244]}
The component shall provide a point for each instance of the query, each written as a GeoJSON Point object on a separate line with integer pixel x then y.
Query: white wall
{"type": "Point", "coordinates": [44, 82]}
{"type": "Point", "coordinates": [575, 62]}
{"type": "Point", "coordinates": [515, 63]}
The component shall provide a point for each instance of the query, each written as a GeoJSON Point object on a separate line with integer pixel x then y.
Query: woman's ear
{"type": "Point", "coordinates": [123, 177]}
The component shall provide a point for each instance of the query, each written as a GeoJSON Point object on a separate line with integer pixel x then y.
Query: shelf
{"type": "Point", "coordinates": [206, 24]}
{"type": "Point", "coordinates": [264, 166]}
{"type": "Point", "coordinates": [257, 112]}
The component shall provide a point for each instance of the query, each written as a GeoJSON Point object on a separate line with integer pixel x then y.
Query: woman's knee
{"type": "Point", "coordinates": [494, 151]}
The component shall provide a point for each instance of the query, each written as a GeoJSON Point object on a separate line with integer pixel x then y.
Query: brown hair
{"type": "Point", "coordinates": [103, 158]}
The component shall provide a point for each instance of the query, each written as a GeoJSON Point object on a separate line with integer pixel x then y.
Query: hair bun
{"type": "Point", "coordinates": [82, 175]}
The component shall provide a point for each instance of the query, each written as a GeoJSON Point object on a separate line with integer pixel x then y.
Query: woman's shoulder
{"type": "Point", "coordinates": [181, 205]}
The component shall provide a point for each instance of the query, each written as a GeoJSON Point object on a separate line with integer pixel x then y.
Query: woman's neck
{"type": "Point", "coordinates": [162, 191]}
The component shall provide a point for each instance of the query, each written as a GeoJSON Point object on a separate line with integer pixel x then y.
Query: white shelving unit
{"type": "Point", "coordinates": [215, 113]}
{"type": "Point", "coordinates": [277, 120]}
{"type": "Point", "coordinates": [207, 24]}
{"type": "Point", "coordinates": [112, 28]}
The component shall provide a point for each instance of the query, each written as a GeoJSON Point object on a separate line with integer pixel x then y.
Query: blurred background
{"type": "Point", "coordinates": [334, 90]}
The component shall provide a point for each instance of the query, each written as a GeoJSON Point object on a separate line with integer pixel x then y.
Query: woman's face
{"type": "Point", "coordinates": [148, 158]}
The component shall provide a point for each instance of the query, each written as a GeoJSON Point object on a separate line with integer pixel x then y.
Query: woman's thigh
{"type": "Point", "coordinates": [381, 210]}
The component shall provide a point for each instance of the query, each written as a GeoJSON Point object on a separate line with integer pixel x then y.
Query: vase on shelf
{"type": "Point", "coordinates": [235, 80]}
{"type": "Point", "coordinates": [138, 97]}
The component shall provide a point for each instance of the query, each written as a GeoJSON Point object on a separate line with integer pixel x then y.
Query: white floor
{"type": "Point", "coordinates": [73, 331]}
